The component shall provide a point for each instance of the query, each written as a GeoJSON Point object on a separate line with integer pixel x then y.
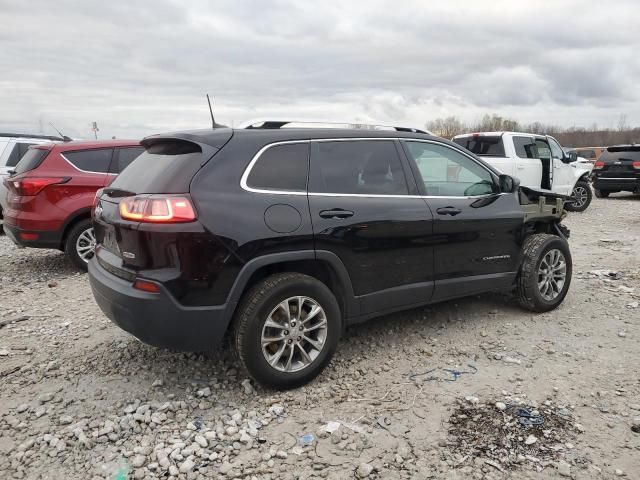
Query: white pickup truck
{"type": "Point", "coordinates": [538, 161]}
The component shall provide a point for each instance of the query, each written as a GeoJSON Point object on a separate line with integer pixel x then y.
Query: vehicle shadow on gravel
{"type": "Point", "coordinates": [143, 364]}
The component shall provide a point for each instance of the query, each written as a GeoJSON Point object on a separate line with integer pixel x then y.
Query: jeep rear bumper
{"type": "Point", "coordinates": [156, 318]}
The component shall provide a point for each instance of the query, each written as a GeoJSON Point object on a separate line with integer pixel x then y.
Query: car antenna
{"type": "Point", "coordinates": [64, 137]}
{"type": "Point", "coordinates": [213, 121]}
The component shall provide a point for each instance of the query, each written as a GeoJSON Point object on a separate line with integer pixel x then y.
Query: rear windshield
{"type": "Point", "coordinates": [165, 167]}
{"type": "Point", "coordinates": [621, 153]}
{"type": "Point", "coordinates": [31, 160]}
{"type": "Point", "coordinates": [491, 146]}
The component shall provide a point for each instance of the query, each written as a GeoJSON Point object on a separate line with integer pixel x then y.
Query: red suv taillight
{"type": "Point", "coordinates": [29, 186]}
{"type": "Point", "coordinates": [598, 165]}
{"type": "Point", "coordinates": [636, 165]}
{"type": "Point", "coordinates": [157, 209]}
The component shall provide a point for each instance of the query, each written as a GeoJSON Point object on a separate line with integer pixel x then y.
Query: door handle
{"type": "Point", "coordinates": [336, 213]}
{"type": "Point", "coordinates": [453, 211]}
{"type": "Point", "coordinates": [520, 167]}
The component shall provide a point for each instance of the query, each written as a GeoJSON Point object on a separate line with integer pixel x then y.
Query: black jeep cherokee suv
{"type": "Point", "coordinates": [284, 236]}
{"type": "Point", "coordinates": [617, 170]}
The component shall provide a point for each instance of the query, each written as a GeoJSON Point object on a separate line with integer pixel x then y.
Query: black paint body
{"type": "Point", "coordinates": [389, 253]}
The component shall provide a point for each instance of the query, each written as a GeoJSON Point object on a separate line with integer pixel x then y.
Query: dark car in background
{"type": "Point", "coordinates": [284, 236]}
{"type": "Point", "coordinates": [617, 170]}
{"type": "Point", "coordinates": [50, 193]}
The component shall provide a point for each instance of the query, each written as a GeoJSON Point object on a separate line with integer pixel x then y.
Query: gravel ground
{"type": "Point", "coordinates": [80, 398]}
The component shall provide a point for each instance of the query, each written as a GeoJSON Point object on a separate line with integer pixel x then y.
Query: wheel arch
{"type": "Point", "coordinates": [322, 265]}
{"type": "Point", "coordinates": [74, 218]}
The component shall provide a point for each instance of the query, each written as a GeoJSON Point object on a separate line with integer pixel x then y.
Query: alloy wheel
{"type": "Point", "coordinates": [86, 245]}
{"type": "Point", "coordinates": [552, 274]}
{"type": "Point", "coordinates": [580, 196]}
{"type": "Point", "coordinates": [294, 334]}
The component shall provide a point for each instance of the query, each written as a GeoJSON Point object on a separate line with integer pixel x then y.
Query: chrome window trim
{"type": "Point", "coordinates": [256, 157]}
{"type": "Point", "coordinates": [86, 171]}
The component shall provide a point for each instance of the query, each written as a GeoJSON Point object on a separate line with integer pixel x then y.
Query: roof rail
{"type": "Point", "coordinates": [272, 123]}
{"type": "Point", "coordinates": [28, 135]}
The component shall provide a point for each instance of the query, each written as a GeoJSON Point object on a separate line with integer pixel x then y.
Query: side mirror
{"type": "Point", "coordinates": [508, 184]}
{"type": "Point", "coordinates": [570, 157]}
{"type": "Point", "coordinates": [11, 171]}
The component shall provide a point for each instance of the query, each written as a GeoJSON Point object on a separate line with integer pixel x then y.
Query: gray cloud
{"type": "Point", "coordinates": [143, 67]}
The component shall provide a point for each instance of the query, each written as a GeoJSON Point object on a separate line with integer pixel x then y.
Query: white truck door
{"type": "Point", "coordinates": [528, 168]}
{"type": "Point", "coordinates": [563, 173]}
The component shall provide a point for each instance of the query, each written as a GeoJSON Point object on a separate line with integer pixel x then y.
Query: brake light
{"type": "Point", "coordinates": [636, 165]}
{"type": "Point", "coordinates": [598, 165]}
{"type": "Point", "coordinates": [29, 186]}
{"type": "Point", "coordinates": [146, 286]}
{"type": "Point", "coordinates": [157, 209]}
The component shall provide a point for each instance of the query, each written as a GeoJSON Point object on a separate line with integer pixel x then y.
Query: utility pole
{"type": "Point", "coordinates": [95, 129]}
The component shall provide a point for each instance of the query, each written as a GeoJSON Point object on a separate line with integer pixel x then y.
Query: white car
{"type": "Point", "coordinates": [12, 147]}
{"type": "Point", "coordinates": [538, 161]}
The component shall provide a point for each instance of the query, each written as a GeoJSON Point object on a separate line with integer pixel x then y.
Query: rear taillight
{"type": "Point", "coordinates": [598, 165]}
{"type": "Point", "coordinates": [636, 165]}
{"type": "Point", "coordinates": [157, 209]}
{"type": "Point", "coordinates": [29, 186]}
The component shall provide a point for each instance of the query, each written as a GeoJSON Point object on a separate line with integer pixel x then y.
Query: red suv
{"type": "Point", "coordinates": [51, 192]}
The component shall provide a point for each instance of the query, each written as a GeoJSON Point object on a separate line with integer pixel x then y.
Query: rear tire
{"type": "Point", "coordinates": [582, 197]}
{"type": "Point", "coordinates": [80, 244]}
{"type": "Point", "coordinates": [545, 273]}
{"type": "Point", "coordinates": [269, 322]}
{"type": "Point", "coordinates": [602, 193]}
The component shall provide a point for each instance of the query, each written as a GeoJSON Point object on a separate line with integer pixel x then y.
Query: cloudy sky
{"type": "Point", "coordinates": [140, 67]}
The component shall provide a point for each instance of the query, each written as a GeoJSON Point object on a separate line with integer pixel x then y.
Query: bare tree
{"type": "Point", "coordinates": [592, 136]}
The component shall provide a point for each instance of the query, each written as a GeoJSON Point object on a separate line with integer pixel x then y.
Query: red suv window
{"type": "Point", "coordinates": [94, 161]}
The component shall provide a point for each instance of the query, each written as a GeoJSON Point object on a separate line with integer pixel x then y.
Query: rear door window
{"type": "Point", "coordinates": [122, 157]}
{"type": "Point", "coordinates": [368, 167]}
{"type": "Point", "coordinates": [489, 145]}
{"type": "Point", "coordinates": [525, 147]}
{"type": "Point", "coordinates": [92, 161]}
{"type": "Point", "coordinates": [281, 167]}
{"type": "Point", "coordinates": [31, 160]}
{"type": "Point", "coordinates": [543, 149]}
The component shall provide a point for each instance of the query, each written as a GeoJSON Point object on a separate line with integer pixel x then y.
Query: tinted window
{"type": "Point", "coordinates": [281, 167]}
{"type": "Point", "coordinates": [621, 153]}
{"type": "Point", "coordinates": [525, 147]}
{"type": "Point", "coordinates": [19, 149]}
{"type": "Point", "coordinates": [90, 160]}
{"type": "Point", "coordinates": [482, 145]}
{"type": "Point", "coordinates": [363, 167]}
{"type": "Point", "coordinates": [123, 157]}
{"type": "Point", "coordinates": [30, 160]}
{"type": "Point", "coordinates": [446, 172]}
{"type": "Point", "coordinates": [165, 167]}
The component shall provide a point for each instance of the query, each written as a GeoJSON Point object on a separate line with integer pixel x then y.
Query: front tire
{"type": "Point", "coordinates": [286, 330]}
{"type": "Point", "coordinates": [582, 197]}
{"type": "Point", "coordinates": [80, 244]}
{"type": "Point", "coordinates": [545, 274]}
{"type": "Point", "coordinates": [602, 193]}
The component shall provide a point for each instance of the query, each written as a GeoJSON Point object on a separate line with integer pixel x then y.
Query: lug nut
{"type": "Point", "coordinates": [286, 332]}
{"type": "Point", "coordinates": [301, 328]}
{"type": "Point", "coordinates": [289, 341]}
